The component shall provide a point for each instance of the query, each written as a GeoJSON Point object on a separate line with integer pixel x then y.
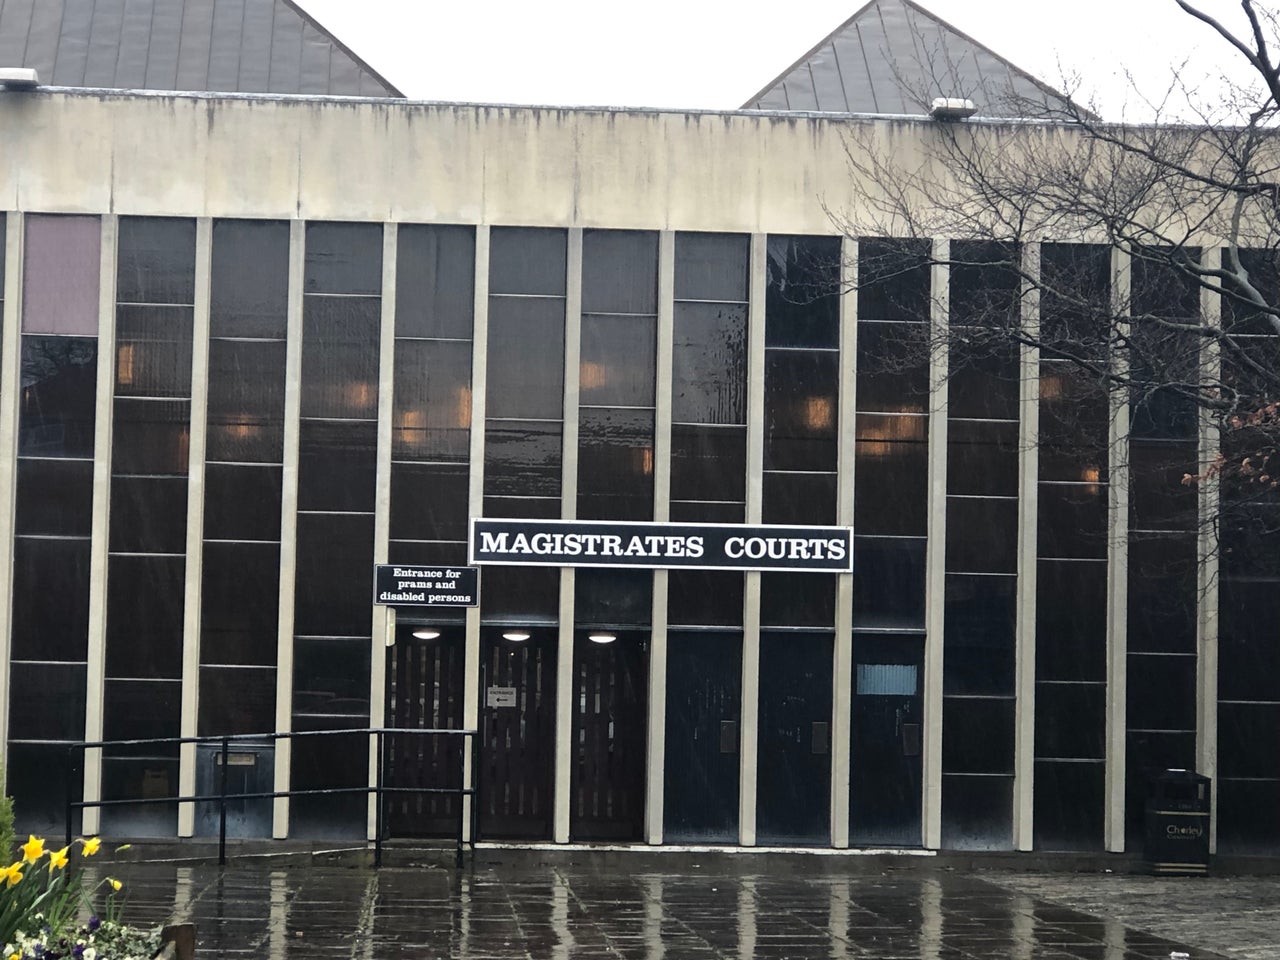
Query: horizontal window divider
{"type": "Point", "coordinates": [1071, 683]}
{"type": "Point", "coordinates": [801, 473]}
{"type": "Point", "coordinates": [1159, 653]}
{"type": "Point", "coordinates": [136, 553]}
{"type": "Point", "coordinates": [1007, 574]}
{"type": "Point", "coordinates": [920, 321]}
{"type": "Point", "coordinates": [331, 636]}
{"type": "Point", "coordinates": [1097, 560]}
{"type": "Point", "coordinates": [150, 476]}
{"type": "Point", "coordinates": [614, 313]}
{"type": "Point", "coordinates": [170, 680]}
{"type": "Point", "coordinates": [66, 336]}
{"type": "Point", "coordinates": [489, 420]}
{"type": "Point", "coordinates": [613, 406]}
{"type": "Point", "coordinates": [703, 628]}
{"type": "Point", "coordinates": [982, 496]}
{"type": "Point", "coordinates": [1074, 483]}
{"type": "Point", "coordinates": [1182, 730]}
{"type": "Point", "coordinates": [408, 339]}
{"type": "Point", "coordinates": [718, 426]}
{"type": "Point", "coordinates": [30, 456]}
{"type": "Point", "coordinates": [954, 419]}
{"type": "Point", "coordinates": [143, 303]}
{"type": "Point", "coordinates": [335, 513]}
{"type": "Point", "coordinates": [1251, 703]}
{"type": "Point", "coordinates": [238, 666]}
{"type": "Point", "coordinates": [726, 303]}
{"type": "Point", "coordinates": [710, 502]}
{"type": "Point", "coordinates": [968, 773]}
{"type": "Point", "coordinates": [527, 296]}
{"type": "Point", "coordinates": [48, 663]}
{"type": "Point", "coordinates": [1222, 778]}
{"type": "Point", "coordinates": [399, 462]}
{"type": "Point", "coordinates": [980, 696]}
{"type": "Point", "coordinates": [769, 350]}
{"type": "Point", "coordinates": [152, 399]}
{"type": "Point", "coordinates": [15, 741]}
{"type": "Point", "coordinates": [243, 463]}
{"type": "Point", "coordinates": [338, 419]}
{"type": "Point", "coordinates": [916, 632]}
{"type": "Point", "coordinates": [1093, 761]}
{"type": "Point", "coordinates": [768, 628]}
{"type": "Point", "coordinates": [53, 536]}
{"type": "Point", "coordinates": [256, 542]}
{"type": "Point", "coordinates": [214, 338]}
{"type": "Point", "coordinates": [341, 296]}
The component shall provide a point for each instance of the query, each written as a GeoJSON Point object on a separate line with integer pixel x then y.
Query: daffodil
{"type": "Point", "coordinates": [115, 884]}
{"type": "Point", "coordinates": [90, 846]}
{"type": "Point", "coordinates": [12, 874]}
{"type": "Point", "coordinates": [58, 859]}
{"type": "Point", "coordinates": [33, 849]}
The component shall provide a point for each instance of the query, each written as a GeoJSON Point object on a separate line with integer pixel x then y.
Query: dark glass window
{"type": "Point", "coordinates": [799, 498]}
{"type": "Point", "coordinates": [709, 363]}
{"type": "Point", "coordinates": [982, 459]}
{"type": "Point", "coordinates": [246, 401]}
{"type": "Point", "coordinates": [606, 598]}
{"type": "Point", "coordinates": [1075, 298]}
{"type": "Point", "coordinates": [801, 410]}
{"type": "Point", "coordinates": [337, 465]}
{"type": "Point", "coordinates": [1071, 620]}
{"type": "Point", "coordinates": [520, 594]}
{"type": "Point", "coordinates": [615, 464]}
{"type": "Point", "coordinates": [331, 679]}
{"type": "Point", "coordinates": [150, 436]}
{"type": "Point", "coordinates": [1162, 593]}
{"type": "Point", "coordinates": [235, 700]}
{"type": "Point", "coordinates": [705, 598]}
{"type": "Point", "coordinates": [334, 576]}
{"type": "Point", "coordinates": [249, 286]}
{"type": "Point", "coordinates": [893, 279]}
{"type": "Point", "coordinates": [984, 381]}
{"type": "Point", "coordinates": [1070, 719]}
{"type": "Point", "coordinates": [888, 582]}
{"type": "Point", "coordinates": [51, 592]}
{"type": "Point", "coordinates": [144, 618]}
{"type": "Point", "coordinates": [340, 357]}
{"type": "Point", "coordinates": [242, 502]}
{"type": "Point", "coordinates": [435, 281]}
{"type": "Point", "coordinates": [979, 642]}
{"type": "Point", "coordinates": [1069, 802]}
{"type": "Point", "coordinates": [344, 258]}
{"type": "Point", "coordinates": [708, 463]}
{"type": "Point", "coordinates": [1073, 520]}
{"type": "Point", "coordinates": [431, 419]}
{"type": "Point", "coordinates": [59, 390]}
{"type": "Point", "coordinates": [157, 261]}
{"type": "Point", "coordinates": [239, 613]}
{"type": "Point", "coordinates": [429, 501]}
{"type": "Point", "coordinates": [527, 261]}
{"type": "Point", "coordinates": [1162, 692]}
{"type": "Point", "coordinates": [802, 303]}
{"type": "Point", "coordinates": [982, 535]}
{"type": "Point", "coordinates": [712, 266]}
{"type": "Point", "coordinates": [977, 736]}
{"type": "Point", "coordinates": [53, 714]}
{"type": "Point", "coordinates": [986, 285]}
{"type": "Point", "coordinates": [893, 367]}
{"type": "Point", "coordinates": [153, 351]}
{"type": "Point", "coordinates": [1249, 739]}
{"type": "Point", "coordinates": [1160, 500]}
{"type": "Point", "coordinates": [149, 514]}
{"type": "Point", "coordinates": [1074, 425]}
{"type": "Point", "coordinates": [977, 812]}
{"type": "Point", "coordinates": [891, 475]}
{"type": "Point", "coordinates": [1248, 657]}
{"type": "Point", "coordinates": [618, 360]}
{"type": "Point", "coordinates": [797, 599]}
{"type": "Point", "coordinates": [619, 272]}
{"type": "Point", "coordinates": [55, 497]}
{"type": "Point", "coordinates": [525, 376]}
{"type": "Point", "coordinates": [522, 458]}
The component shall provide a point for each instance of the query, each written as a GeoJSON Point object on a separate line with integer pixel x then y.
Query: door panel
{"type": "Point", "coordinates": [793, 792]}
{"type": "Point", "coordinates": [704, 708]}
{"type": "Point", "coordinates": [517, 743]}
{"type": "Point", "coordinates": [885, 742]}
{"type": "Point", "coordinates": [609, 734]}
{"type": "Point", "coordinates": [424, 692]}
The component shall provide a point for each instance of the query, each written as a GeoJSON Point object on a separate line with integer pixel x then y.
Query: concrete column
{"type": "Point", "coordinates": [1208, 582]}
{"type": "Point", "coordinates": [750, 739]}
{"type": "Point", "coordinates": [568, 511]}
{"type": "Point", "coordinates": [1028, 513]}
{"type": "Point", "coordinates": [383, 617]}
{"type": "Point", "coordinates": [842, 666]}
{"type": "Point", "coordinates": [95, 670]}
{"type": "Point", "coordinates": [1117, 578]}
{"type": "Point", "coordinates": [475, 500]}
{"type": "Point", "coordinates": [289, 521]}
{"type": "Point", "coordinates": [10, 378]}
{"type": "Point", "coordinates": [661, 513]}
{"type": "Point", "coordinates": [936, 550]}
{"type": "Point", "coordinates": [195, 526]}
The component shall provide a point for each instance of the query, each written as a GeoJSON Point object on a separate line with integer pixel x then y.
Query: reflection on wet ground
{"type": "Point", "coordinates": [587, 911]}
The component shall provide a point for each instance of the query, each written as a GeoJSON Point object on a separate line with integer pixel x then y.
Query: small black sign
{"type": "Point", "coordinates": [425, 586]}
{"type": "Point", "coordinates": [705, 546]}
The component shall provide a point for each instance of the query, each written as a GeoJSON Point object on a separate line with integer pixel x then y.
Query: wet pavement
{"type": "Point", "coordinates": [750, 907]}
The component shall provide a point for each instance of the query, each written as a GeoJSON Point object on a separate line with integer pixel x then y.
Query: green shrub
{"type": "Point", "coordinates": [6, 821]}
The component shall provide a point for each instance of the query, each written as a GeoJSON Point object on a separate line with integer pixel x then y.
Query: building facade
{"type": "Point", "coordinates": [254, 345]}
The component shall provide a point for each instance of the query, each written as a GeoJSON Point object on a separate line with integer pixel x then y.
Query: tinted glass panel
{"type": "Point", "coordinates": [1159, 499]}
{"type": "Point", "coordinates": [708, 462]}
{"type": "Point", "coordinates": [802, 306]}
{"type": "Point", "coordinates": [619, 272]}
{"type": "Point", "coordinates": [983, 382]}
{"type": "Point", "coordinates": [150, 436]}
{"type": "Point", "coordinates": [340, 357]}
{"type": "Point", "coordinates": [705, 597]}
{"type": "Point", "coordinates": [711, 266]}
{"type": "Point", "coordinates": [59, 387]}
{"type": "Point", "coordinates": [522, 458]}
{"type": "Point", "coordinates": [527, 260]}
{"type": "Point", "coordinates": [979, 638]}
{"type": "Point", "coordinates": [1069, 804]}
{"type": "Point", "coordinates": [977, 735]}
{"type": "Point", "coordinates": [236, 700]}
{"type": "Point", "coordinates": [157, 261]}
{"type": "Point", "coordinates": [799, 498]}
{"type": "Point", "coordinates": [141, 709]}
{"type": "Point", "coordinates": [615, 465]}
{"type": "Point", "coordinates": [982, 459]}
{"type": "Point", "coordinates": [144, 617]}
{"type": "Point", "coordinates": [55, 497]}
{"type": "Point", "coordinates": [1069, 720]}
{"type": "Point", "coordinates": [982, 535]}
{"type": "Point", "coordinates": [977, 812]}
{"type": "Point", "coordinates": [330, 678]}
{"type": "Point", "coordinates": [1248, 657]}
{"type": "Point", "coordinates": [435, 281]}
{"type": "Point", "coordinates": [612, 597]}
{"type": "Point", "coordinates": [37, 776]}
{"type": "Point", "coordinates": [797, 599]}
{"type": "Point", "coordinates": [344, 258]}
{"type": "Point", "coordinates": [985, 285]}
{"type": "Point", "coordinates": [515, 594]}
{"type": "Point", "coordinates": [61, 262]}
{"type": "Point", "coordinates": [1075, 292]}
{"type": "Point", "coordinates": [618, 361]}
{"type": "Point", "coordinates": [249, 288]}
{"type": "Point", "coordinates": [429, 501]}
{"type": "Point", "coordinates": [153, 351]}
{"type": "Point", "coordinates": [888, 582]}
{"type": "Point", "coordinates": [335, 576]}
{"type": "Point", "coordinates": [1071, 620]}
{"type": "Point", "coordinates": [1073, 520]}
{"type": "Point", "coordinates": [1249, 739]}
{"type": "Point", "coordinates": [51, 599]}
{"type": "Point", "coordinates": [239, 612]}
{"type": "Point", "coordinates": [431, 419]}
{"type": "Point", "coordinates": [525, 375]}
{"type": "Point", "coordinates": [149, 514]}
{"type": "Point", "coordinates": [337, 468]}
{"type": "Point", "coordinates": [1162, 692]}
{"type": "Point", "coordinates": [800, 409]}
{"type": "Point", "coordinates": [891, 475]}
{"type": "Point", "coordinates": [893, 367]}
{"type": "Point", "coordinates": [1162, 591]}
{"type": "Point", "coordinates": [242, 502]}
{"type": "Point", "coordinates": [246, 401]}
{"type": "Point", "coordinates": [893, 279]}
{"type": "Point", "coordinates": [709, 363]}
{"type": "Point", "coordinates": [58, 712]}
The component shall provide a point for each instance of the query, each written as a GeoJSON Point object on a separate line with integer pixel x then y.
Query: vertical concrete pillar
{"type": "Point", "coordinates": [289, 521]}
{"type": "Point", "coordinates": [1117, 577]}
{"type": "Point", "coordinates": [194, 569]}
{"type": "Point", "coordinates": [383, 631]}
{"type": "Point", "coordinates": [10, 379]}
{"type": "Point", "coordinates": [657, 733]}
{"type": "Point", "coordinates": [568, 511]}
{"type": "Point", "coordinates": [842, 665]}
{"type": "Point", "coordinates": [1207, 568]}
{"type": "Point", "coordinates": [1028, 514]}
{"type": "Point", "coordinates": [95, 669]}
{"type": "Point", "coordinates": [475, 500]}
{"type": "Point", "coordinates": [936, 549]}
{"type": "Point", "coordinates": [755, 499]}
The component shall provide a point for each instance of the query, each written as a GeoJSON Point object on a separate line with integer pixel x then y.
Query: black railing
{"type": "Point", "coordinates": [379, 788]}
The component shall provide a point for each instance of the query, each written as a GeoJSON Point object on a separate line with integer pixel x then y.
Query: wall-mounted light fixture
{"type": "Point", "coordinates": [602, 637]}
{"type": "Point", "coordinates": [19, 78]}
{"type": "Point", "coordinates": [426, 633]}
{"type": "Point", "coordinates": [515, 636]}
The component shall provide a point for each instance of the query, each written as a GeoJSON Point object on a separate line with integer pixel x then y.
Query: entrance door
{"type": "Point", "coordinates": [704, 704]}
{"type": "Point", "coordinates": [609, 733]}
{"type": "Point", "coordinates": [885, 746]}
{"type": "Point", "coordinates": [793, 792]}
{"type": "Point", "coordinates": [518, 732]}
{"type": "Point", "coordinates": [424, 692]}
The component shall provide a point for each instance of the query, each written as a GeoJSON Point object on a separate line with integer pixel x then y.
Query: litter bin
{"type": "Point", "coordinates": [1178, 823]}
{"type": "Point", "coordinates": [250, 769]}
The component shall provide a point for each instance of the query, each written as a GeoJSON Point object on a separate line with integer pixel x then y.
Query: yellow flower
{"type": "Point", "coordinates": [15, 956]}
{"type": "Point", "coordinates": [33, 849]}
{"type": "Point", "coordinates": [115, 884]}
{"type": "Point", "coordinates": [58, 859]}
{"type": "Point", "coordinates": [91, 846]}
{"type": "Point", "coordinates": [12, 873]}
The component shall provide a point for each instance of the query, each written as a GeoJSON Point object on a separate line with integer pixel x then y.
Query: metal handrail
{"type": "Point", "coordinates": [378, 788]}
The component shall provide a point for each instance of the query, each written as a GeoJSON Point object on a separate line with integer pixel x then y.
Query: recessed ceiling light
{"type": "Point", "coordinates": [516, 636]}
{"type": "Point", "coordinates": [426, 633]}
{"type": "Point", "coordinates": [602, 637]}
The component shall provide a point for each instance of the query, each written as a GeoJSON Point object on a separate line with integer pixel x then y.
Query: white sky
{"type": "Point", "coordinates": [715, 54]}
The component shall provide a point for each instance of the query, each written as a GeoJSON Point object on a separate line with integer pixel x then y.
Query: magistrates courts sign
{"type": "Point", "coordinates": [702, 546]}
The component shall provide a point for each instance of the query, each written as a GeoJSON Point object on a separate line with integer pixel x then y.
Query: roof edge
{"type": "Point", "coordinates": [296, 6]}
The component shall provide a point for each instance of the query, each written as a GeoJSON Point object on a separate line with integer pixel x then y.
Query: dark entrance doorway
{"type": "Point", "coordinates": [424, 692]}
{"type": "Point", "coordinates": [793, 793]}
{"type": "Point", "coordinates": [609, 733]}
{"type": "Point", "coordinates": [704, 707]}
{"type": "Point", "coordinates": [517, 732]}
{"type": "Point", "coordinates": [885, 744]}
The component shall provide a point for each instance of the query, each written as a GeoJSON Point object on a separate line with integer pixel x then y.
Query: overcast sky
{"type": "Point", "coordinates": [715, 54]}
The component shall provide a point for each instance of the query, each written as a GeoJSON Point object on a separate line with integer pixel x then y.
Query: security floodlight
{"type": "Point", "coordinates": [952, 108]}
{"type": "Point", "coordinates": [19, 78]}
